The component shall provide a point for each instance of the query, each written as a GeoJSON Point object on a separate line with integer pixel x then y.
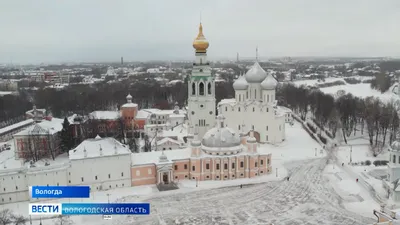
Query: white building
{"type": "Point", "coordinates": [255, 106]}
{"type": "Point", "coordinates": [101, 163]}
{"type": "Point", "coordinates": [391, 184]}
{"type": "Point", "coordinates": [157, 120]}
{"type": "Point", "coordinates": [106, 163]}
{"type": "Point", "coordinates": [201, 87]}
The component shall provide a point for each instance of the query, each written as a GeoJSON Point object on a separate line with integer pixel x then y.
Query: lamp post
{"type": "Point", "coordinates": [351, 150]}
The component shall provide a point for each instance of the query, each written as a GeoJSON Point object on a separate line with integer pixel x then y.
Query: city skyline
{"type": "Point", "coordinates": [91, 31]}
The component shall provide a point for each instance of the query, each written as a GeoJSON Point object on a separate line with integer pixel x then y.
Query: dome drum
{"type": "Point", "coordinates": [222, 151]}
{"type": "Point", "coordinates": [395, 146]}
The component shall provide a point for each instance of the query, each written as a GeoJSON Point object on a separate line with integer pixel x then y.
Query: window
{"type": "Point", "coordinates": [255, 164]}
{"type": "Point", "coordinates": [255, 93]}
{"type": "Point", "coordinates": [267, 161]}
{"type": "Point", "coordinates": [279, 127]}
{"type": "Point", "coordinates": [241, 164]}
{"type": "Point", "coordinates": [261, 162]}
{"type": "Point", "coordinates": [207, 166]}
{"type": "Point", "coordinates": [69, 181]}
{"type": "Point", "coordinates": [176, 167]}
{"type": "Point", "coordinates": [267, 109]}
{"type": "Point", "coordinates": [247, 94]}
{"type": "Point", "coordinates": [217, 166]}
{"type": "Point", "coordinates": [95, 177]}
{"type": "Point", "coordinates": [122, 174]}
{"type": "Point", "coordinates": [193, 88]}
{"type": "Point", "coordinates": [4, 189]}
{"type": "Point", "coordinates": [109, 176]}
{"type": "Point", "coordinates": [149, 171]}
{"type": "Point", "coordinates": [185, 166]}
{"type": "Point", "coordinates": [201, 88]}
{"type": "Point", "coordinates": [225, 166]}
{"type": "Point", "coordinates": [254, 109]}
{"type": "Point", "coordinates": [209, 88]}
{"type": "Point", "coordinates": [58, 184]}
{"type": "Point", "coordinates": [137, 172]}
{"type": "Point", "coordinates": [394, 159]}
{"type": "Point", "coordinates": [239, 109]}
{"type": "Point", "coordinates": [266, 137]}
{"type": "Point", "coordinates": [226, 109]}
{"type": "Point", "coordinates": [217, 177]}
{"type": "Point", "coordinates": [240, 99]}
{"type": "Point", "coordinates": [267, 128]}
{"type": "Point", "coordinates": [193, 168]}
{"type": "Point", "coordinates": [16, 187]}
{"type": "Point", "coordinates": [163, 148]}
{"type": "Point", "coordinates": [252, 127]}
{"type": "Point", "coordinates": [233, 165]}
{"type": "Point", "coordinates": [267, 98]}
{"type": "Point", "coordinates": [82, 179]}
{"type": "Point", "coordinates": [208, 177]}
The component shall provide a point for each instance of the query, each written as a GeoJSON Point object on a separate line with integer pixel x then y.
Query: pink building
{"type": "Point", "coordinates": [222, 154]}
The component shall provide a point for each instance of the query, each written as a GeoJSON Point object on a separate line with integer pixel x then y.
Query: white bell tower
{"type": "Point", "coordinates": [201, 87]}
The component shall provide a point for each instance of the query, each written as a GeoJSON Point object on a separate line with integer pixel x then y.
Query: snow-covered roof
{"type": "Point", "coordinates": [166, 140]}
{"type": "Point", "coordinates": [153, 157]}
{"type": "Point", "coordinates": [98, 147]}
{"type": "Point", "coordinates": [16, 126]}
{"type": "Point", "coordinates": [104, 115]}
{"type": "Point", "coordinates": [129, 105]}
{"type": "Point", "coordinates": [142, 114]}
{"type": "Point", "coordinates": [43, 128]}
{"type": "Point", "coordinates": [284, 109]}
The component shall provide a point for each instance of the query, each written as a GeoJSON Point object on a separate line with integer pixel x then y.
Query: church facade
{"type": "Point", "coordinates": [255, 108]}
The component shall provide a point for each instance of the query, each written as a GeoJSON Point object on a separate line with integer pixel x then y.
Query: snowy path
{"type": "Point", "coordinates": [305, 199]}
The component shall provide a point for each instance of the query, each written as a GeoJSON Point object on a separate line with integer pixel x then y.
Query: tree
{"type": "Point", "coordinates": [6, 217]}
{"type": "Point", "coordinates": [63, 220]}
{"type": "Point", "coordinates": [19, 220]}
{"type": "Point", "coordinates": [67, 141]}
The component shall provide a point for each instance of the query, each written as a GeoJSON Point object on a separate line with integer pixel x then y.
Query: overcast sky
{"type": "Point", "coordinates": [34, 31]}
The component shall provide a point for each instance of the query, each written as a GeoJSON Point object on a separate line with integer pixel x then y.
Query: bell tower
{"type": "Point", "coordinates": [201, 87]}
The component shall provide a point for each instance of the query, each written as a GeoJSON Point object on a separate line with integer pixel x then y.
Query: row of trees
{"type": "Point", "coordinates": [8, 217]}
{"type": "Point", "coordinates": [344, 115]}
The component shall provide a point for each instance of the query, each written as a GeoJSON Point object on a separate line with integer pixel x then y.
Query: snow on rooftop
{"type": "Point", "coordinates": [42, 128]}
{"type": "Point", "coordinates": [130, 104]}
{"type": "Point", "coordinates": [142, 114]}
{"type": "Point", "coordinates": [15, 126]}
{"type": "Point", "coordinates": [163, 112]}
{"type": "Point", "coordinates": [153, 157]}
{"type": "Point", "coordinates": [167, 139]}
{"type": "Point", "coordinates": [227, 101]}
{"type": "Point", "coordinates": [97, 147]}
{"type": "Point", "coordinates": [105, 115]}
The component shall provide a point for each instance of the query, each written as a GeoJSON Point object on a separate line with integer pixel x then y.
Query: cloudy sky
{"type": "Point", "coordinates": [104, 30]}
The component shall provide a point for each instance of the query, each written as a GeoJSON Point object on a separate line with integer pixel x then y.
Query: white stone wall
{"type": "Point", "coordinates": [261, 118]}
{"type": "Point", "coordinates": [111, 172]}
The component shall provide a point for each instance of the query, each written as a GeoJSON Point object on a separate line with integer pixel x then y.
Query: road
{"type": "Point", "coordinates": [305, 199]}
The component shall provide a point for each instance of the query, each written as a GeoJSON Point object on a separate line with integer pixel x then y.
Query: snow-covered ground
{"type": "Point", "coordinates": [362, 90]}
{"type": "Point", "coordinates": [313, 194]}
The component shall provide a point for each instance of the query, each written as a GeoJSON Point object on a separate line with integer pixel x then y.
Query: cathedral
{"type": "Point", "coordinates": [254, 107]}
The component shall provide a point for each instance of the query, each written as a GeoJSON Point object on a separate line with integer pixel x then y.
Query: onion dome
{"type": "Point", "coordinates": [269, 83]}
{"type": "Point", "coordinates": [395, 146]}
{"type": "Point", "coordinates": [256, 74]}
{"type": "Point", "coordinates": [221, 136]}
{"type": "Point", "coordinates": [200, 43]}
{"type": "Point", "coordinates": [240, 83]}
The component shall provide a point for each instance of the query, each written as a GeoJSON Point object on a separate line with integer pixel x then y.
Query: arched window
{"type": "Point", "coordinates": [193, 88]}
{"type": "Point", "coordinates": [255, 93]}
{"type": "Point", "coordinates": [240, 99]}
{"type": "Point", "coordinates": [247, 94]}
{"type": "Point", "coordinates": [201, 61]}
{"type": "Point", "coordinates": [267, 98]}
{"type": "Point", "coordinates": [201, 88]}
{"type": "Point", "coordinates": [209, 88]}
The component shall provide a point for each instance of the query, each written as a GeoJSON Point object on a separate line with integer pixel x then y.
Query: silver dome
{"type": "Point", "coordinates": [221, 137]}
{"type": "Point", "coordinates": [395, 146]}
{"type": "Point", "coordinates": [240, 84]}
{"type": "Point", "coordinates": [269, 83]}
{"type": "Point", "coordinates": [256, 74]}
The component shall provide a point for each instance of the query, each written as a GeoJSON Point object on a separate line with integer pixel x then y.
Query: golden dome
{"type": "Point", "coordinates": [200, 43]}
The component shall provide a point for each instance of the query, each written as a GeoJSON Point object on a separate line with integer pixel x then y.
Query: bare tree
{"type": "Point", "coordinates": [6, 217]}
{"type": "Point", "coordinates": [63, 220]}
{"type": "Point", "coordinates": [19, 220]}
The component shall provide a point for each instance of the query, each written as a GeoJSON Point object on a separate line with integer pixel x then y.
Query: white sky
{"type": "Point", "coordinates": [34, 31]}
